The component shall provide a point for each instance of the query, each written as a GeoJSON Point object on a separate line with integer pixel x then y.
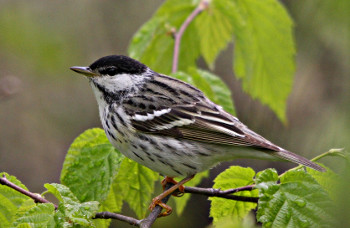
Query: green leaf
{"type": "Point", "coordinates": [70, 208]}
{"type": "Point", "coordinates": [298, 201]}
{"type": "Point", "coordinates": [211, 85]}
{"type": "Point", "coordinates": [329, 180]}
{"type": "Point", "coordinates": [266, 178]}
{"type": "Point", "coordinates": [42, 215]}
{"type": "Point", "coordinates": [24, 208]}
{"type": "Point", "coordinates": [90, 166]}
{"type": "Point", "coordinates": [264, 50]}
{"type": "Point", "coordinates": [10, 200]}
{"type": "Point", "coordinates": [136, 184]}
{"type": "Point", "coordinates": [114, 202]}
{"type": "Point", "coordinates": [232, 177]}
{"type": "Point", "coordinates": [229, 222]}
{"type": "Point", "coordinates": [153, 44]}
{"type": "Point", "coordinates": [215, 30]}
{"type": "Point", "coordinates": [181, 202]}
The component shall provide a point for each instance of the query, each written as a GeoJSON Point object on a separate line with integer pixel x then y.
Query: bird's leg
{"type": "Point", "coordinates": [158, 199]}
{"type": "Point", "coordinates": [181, 188]}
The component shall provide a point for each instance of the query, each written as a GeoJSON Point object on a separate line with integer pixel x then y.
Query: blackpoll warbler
{"type": "Point", "coordinates": [168, 125]}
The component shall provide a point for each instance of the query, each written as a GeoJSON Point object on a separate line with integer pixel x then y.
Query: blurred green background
{"type": "Point", "coordinates": [44, 106]}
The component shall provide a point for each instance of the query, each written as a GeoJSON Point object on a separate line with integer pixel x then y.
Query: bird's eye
{"type": "Point", "coordinates": [110, 71]}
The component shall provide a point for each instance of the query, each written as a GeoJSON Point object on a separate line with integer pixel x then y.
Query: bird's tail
{"type": "Point", "coordinates": [286, 155]}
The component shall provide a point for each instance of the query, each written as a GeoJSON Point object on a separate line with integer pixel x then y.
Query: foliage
{"type": "Point", "coordinates": [295, 199]}
{"type": "Point", "coordinates": [263, 54]}
{"type": "Point", "coordinates": [10, 200]}
{"type": "Point", "coordinates": [232, 177]}
{"type": "Point", "coordinates": [96, 177]}
{"type": "Point", "coordinates": [90, 166]}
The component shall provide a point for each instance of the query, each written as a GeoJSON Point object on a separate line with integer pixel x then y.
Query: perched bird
{"type": "Point", "coordinates": [169, 125]}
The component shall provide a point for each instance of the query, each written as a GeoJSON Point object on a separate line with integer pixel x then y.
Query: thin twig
{"type": "Point", "coordinates": [110, 215]}
{"type": "Point", "coordinates": [202, 5]}
{"type": "Point", "coordinates": [240, 189]}
{"type": "Point", "coordinates": [37, 198]}
{"type": "Point", "coordinates": [224, 194]}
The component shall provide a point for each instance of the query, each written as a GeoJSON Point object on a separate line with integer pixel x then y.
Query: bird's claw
{"type": "Point", "coordinates": [156, 201]}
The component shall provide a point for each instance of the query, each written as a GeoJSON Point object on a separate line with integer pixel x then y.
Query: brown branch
{"type": "Point", "coordinates": [147, 222]}
{"type": "Point", "coordinates": [202, 5]}
{"type": "Point", "coordinates": [37, 198]}
{"type": "Point", "coordinates": [224, 194]}
{"type": "Point", "coordinates": [110, 215]}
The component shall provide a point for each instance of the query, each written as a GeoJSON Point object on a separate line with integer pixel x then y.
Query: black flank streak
{"type": "Point", "coordinates": [162, 161]}
{"type": "Point", "coordinates": [107, 124]}
{"type": "Point", "coordinates": [177, 171]}
{"type": "Point", "coordinates": [143, 147]}
{"type": "Point", "coordinates": [113, 137]}
{"type": "Point", "coordinates": [110, 134]}
{"type": "Point", "coordinates": [138, 156]}
{"type": "Point", "coordinates": [158, 156]}
{"type": "Point", "coordinates": [177, 153]}
{"type": "Point", "coordinates": [142, 137]}
{"type": "Point", "coordinates": [121, 119]}
{"type": "Point", "coordinates": [169, 147]}
{"type": "Point", "coordinates": [189, 166]}
{"type": "Point", "coordinates": [155, 144]}
{"type": "Point", "coordinates": [115, 125]}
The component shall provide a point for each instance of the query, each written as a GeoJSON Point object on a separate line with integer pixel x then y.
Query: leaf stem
{"type": "Point", "coordinates": [331, 152]}
{"type": "Point", "coordinates": [202, 5]}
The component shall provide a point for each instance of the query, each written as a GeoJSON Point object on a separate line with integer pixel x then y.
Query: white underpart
{"type": "Point", "coordinates": [150, 116]}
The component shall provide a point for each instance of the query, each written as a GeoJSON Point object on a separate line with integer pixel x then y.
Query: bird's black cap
{"type": "Point", "coordinates": [119, 63]}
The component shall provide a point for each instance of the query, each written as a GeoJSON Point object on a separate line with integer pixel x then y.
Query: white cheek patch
{"type": "Point", "coordinates": [116, 83]}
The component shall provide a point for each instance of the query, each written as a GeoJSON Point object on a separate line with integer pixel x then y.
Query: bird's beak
{"type": "Point", "coordinates": [83, 70]}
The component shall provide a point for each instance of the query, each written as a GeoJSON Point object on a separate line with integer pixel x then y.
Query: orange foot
{"type": "Point", "coordinates": [158, 200]}
{"type": "Point", "coordinates": [181, 188]}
